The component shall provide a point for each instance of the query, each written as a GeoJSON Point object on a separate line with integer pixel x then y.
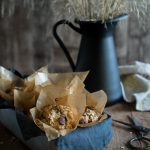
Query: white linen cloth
{"type": "Point", "coordinates": [135, 81]}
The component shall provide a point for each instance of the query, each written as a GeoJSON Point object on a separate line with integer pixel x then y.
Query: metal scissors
{"type": "Point", "coordinates": [141, 131]}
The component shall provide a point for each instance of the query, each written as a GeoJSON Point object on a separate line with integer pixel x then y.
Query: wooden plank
{"type": "Point", "coordinates": [120, 133]}
{"type": "Point", "coordinates": [123, 134]}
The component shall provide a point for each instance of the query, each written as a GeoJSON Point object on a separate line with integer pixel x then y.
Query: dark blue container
{"type": "Point", "coordinates": [97, 54]}
{"type": "Point", "coordinates": [91, 138]}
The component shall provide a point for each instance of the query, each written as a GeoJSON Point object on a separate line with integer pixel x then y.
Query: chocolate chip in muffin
{"type": "Point", "coordinates": [59, 117]}
{"type": "Point", "coordinates": [62, 120]}
{"type": "Point", "coordinates": [90, 107]}
{"type": "Point", "coordinates": [82, 121]}
{"type": "Point", "coordinates": [90, 115]}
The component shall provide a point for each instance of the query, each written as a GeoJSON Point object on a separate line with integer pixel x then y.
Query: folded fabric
{"type": "Point", "coordinates": [135, 81]}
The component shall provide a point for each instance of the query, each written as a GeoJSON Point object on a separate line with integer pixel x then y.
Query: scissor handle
{"type": "Point", "coordinates": [140, 138]}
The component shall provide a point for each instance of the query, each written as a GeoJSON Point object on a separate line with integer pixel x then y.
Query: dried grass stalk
{"type": "Point", "coordinates": [80, 9]}
{"type": "Point", "coordinates": [98, 9]}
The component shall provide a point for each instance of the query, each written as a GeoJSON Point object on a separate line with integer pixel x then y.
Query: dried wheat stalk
{"type": "Point", "coordinates": [98, 9]}
{"type": "Point", "coordinates": [80, 9]}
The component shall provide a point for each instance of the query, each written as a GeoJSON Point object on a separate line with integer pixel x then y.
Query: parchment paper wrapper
{"type": "Point", "coordinates": [96, 100]}
{"type": "Point", "coordinates": [42, 76]}
{"type": "Point", "coordinates": [42, 89]}
{"type": "Point", "coordinates": [8, 80]}
{"type": "Point", "coordinates": [26, 96]}
{"type": "Point", "coordinates": [20, 91]}
{"type": "Point", "coordinates": [65, 78]}
{"type": "Point", "coordinates": [43, 79]}
{"type": "Point", "coordinates": [68, 95]}
{"type": "Point", "coordinates": [41, 70]}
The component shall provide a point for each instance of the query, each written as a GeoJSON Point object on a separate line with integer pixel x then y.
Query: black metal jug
{"type": "Point", "coordinates": [97, 54]}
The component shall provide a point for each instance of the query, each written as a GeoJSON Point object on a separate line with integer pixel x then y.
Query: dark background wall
{"type": "Point", "coordinates": [27, 43]}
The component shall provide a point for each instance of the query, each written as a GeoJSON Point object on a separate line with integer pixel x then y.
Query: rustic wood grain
{"type": "Point", "coordinates": [123, 134]}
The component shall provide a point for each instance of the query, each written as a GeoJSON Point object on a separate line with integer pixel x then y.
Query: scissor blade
{"type": "Point", "coordinates": [135, 121]}
{"type": "Point", "coordinates": [138, 128]}
{"type": "Point", "coordinates": [139, 125]}
{"type": "Point", "coordinates": [124, 123]}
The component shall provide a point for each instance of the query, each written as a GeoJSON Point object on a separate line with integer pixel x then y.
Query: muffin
{"type": "Point", "coordinates": [59, 116]}
{"type": "Point", "coordinates": [90, 115]}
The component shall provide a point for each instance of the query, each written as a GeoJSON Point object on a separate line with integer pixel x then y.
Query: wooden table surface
{"type": "Point", "coordinates": [121, 134]}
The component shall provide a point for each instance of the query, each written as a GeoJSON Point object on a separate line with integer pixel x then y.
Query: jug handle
{"type": "Point", "coordinates": [58, 39]}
